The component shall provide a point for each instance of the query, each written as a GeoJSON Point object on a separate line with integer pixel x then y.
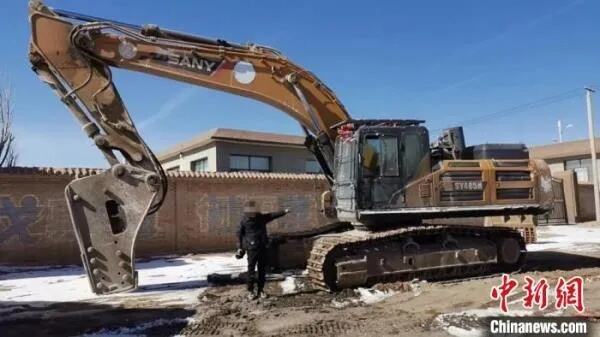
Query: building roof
{"type": "Point", "coordinates": [232, 135]}
{"type": "Point", "coordinates": [572, 149]}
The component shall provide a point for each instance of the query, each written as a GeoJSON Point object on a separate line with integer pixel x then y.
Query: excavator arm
{"type": "Point", "coordinates": [81, 49]}
{"type": "Point", "coordinates": [74, 53]}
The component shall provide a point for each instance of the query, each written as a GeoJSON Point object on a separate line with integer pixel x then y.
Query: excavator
{"type": "Point", "coordinates": [385, 176]}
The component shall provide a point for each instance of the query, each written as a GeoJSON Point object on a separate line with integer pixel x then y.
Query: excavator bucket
{"type": "Point", "coordinates": [107, 211]}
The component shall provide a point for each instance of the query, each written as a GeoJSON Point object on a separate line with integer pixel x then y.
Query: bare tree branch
{"type": "Point", "coordinates": [8, 156]}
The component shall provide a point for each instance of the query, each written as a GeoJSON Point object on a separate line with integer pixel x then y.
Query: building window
{"type": "Point", "coordinates": [312, 166]}
{"type": "Point", "coordinates": [249, 163]}
{"type": "Point", "coordinates": [582, 175]}
{"type": "Point", "coordinates": [200, 165]}
{"type": "Point", "coordinates": [174, 168]}
{"type": "Point", "coordinates": [583, 169]}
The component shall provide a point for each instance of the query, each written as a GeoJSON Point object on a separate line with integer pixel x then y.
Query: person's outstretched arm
{"type": "Point", "coordinates": [274, 215]}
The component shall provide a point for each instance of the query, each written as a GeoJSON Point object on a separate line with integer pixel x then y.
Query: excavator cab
{"type": "Point", "coordinates": [387, 173]}
{"type": "Point", "coordinates": [376, 160]}
{"type": "Point", "coordinates": [390, 157]}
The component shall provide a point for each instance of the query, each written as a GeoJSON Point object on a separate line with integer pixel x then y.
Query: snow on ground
{"type": "Point", "coordinates": [575, 238]}
{"type": "Point", "coordinates": [469, 323]}
{"type": "Point", "coordinates": [139, 329]}
{"type": "Point", "coordinates": [370, 296]}
{"type": "Point", "coordinates": [288, 285]}
{"type": "Point", "coordinates": [365, 296]}
{"type": "Point", "coordinates": [173, 280]}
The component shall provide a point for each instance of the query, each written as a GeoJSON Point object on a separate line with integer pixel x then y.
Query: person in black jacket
{"type": "Point", "coordinates": [253, 239]}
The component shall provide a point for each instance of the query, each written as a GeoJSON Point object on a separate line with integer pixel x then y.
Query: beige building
{"type": "Point", "coordinates": [226, 150]}
{"type": "Point", "coordinates": [573, 155]}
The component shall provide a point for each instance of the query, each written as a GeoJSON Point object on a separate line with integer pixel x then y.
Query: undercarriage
{"type": "Point", "coordinates": [354, 258]}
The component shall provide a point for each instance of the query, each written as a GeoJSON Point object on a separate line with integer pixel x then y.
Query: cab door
{"type": "Point", "coordinates": [345, 175]}
{"type": "Point", "coordinates": [381, 175]}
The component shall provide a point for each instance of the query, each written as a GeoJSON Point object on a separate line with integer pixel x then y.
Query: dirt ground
{"type": "Point", "coordinates": [414, 309]}
{"type": "Point", "coordinates": [294, 309]}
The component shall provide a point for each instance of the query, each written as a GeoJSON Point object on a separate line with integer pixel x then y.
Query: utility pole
{"type": "Point", "coordinates": [560, 130]}
{"type": "Point", "coordinates": [590, 116]}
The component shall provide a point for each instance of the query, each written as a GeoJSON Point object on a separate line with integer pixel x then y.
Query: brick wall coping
{"type": "Point", "coordinates": [82, 172]}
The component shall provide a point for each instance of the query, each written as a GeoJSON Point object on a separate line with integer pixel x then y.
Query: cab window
{"type": "Point", "coordinates": [415, 150]}
{"type": "Point", "coordinates": [380, 156]}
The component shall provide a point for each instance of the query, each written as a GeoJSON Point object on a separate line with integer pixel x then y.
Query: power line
{"type": "Point", "coordinates": [548, 100]}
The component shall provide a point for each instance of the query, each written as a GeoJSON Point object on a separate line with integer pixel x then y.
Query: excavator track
{"type": "Point", "coordinates": [359, 258]}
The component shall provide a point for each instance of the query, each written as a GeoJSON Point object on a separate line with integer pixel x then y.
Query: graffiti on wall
{"type": "Point", "coordinates": [57, 227]}
{"type": "Point", "coordinates": [301, 206]}
{"type": "Point", "coordinates": [220, 215]}
{"type": "Point", "coordinates": [35, 221]}
{"type": "Point", "coordinates": [18, 217]}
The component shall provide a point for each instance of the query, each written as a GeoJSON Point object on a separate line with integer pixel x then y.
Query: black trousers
{"type": "Point", "coordinates": [257, 259]}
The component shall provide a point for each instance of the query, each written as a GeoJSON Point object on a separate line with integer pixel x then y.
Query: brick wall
{"type": "Point", "coordinates": [200, 213]}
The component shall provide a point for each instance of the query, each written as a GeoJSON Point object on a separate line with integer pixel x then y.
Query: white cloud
{"type": "Point", "coordinates": [169, 107]}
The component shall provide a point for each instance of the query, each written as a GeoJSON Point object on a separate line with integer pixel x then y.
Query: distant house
{"type": "Point", "coordinates": [229, 150]}
{"type": "Point", "coordinates": [574, 155]}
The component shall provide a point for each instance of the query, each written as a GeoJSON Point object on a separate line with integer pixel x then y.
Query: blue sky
{"type": "Point", "coordinates": [442, 61]}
